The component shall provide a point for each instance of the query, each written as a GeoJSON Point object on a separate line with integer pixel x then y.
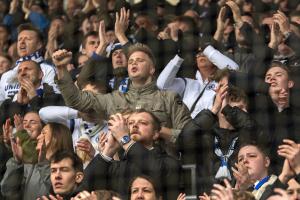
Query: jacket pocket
{"type": "Point", "coordinates": [161, 112]}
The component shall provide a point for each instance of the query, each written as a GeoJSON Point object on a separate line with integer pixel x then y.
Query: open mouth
{"type": "Point", "coordinates": [22, 47]}
{"type": "Point", "coordinates": [134, 69]}
{"type": "Point", "coordinates": [119, 62]}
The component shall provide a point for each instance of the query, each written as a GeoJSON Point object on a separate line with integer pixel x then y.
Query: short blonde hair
{"type": "Point", "coordinates": [143, 48]}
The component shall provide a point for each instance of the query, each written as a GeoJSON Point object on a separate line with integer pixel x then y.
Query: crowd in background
{"type": "Point", "coordinates": [154, 100]}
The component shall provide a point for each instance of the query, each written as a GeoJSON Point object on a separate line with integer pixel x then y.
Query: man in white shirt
{"type": "Point", "coordinates": [28, 47]}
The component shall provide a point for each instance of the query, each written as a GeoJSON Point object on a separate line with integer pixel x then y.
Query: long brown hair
{"type": "Point", "coordinates": [61, 138]}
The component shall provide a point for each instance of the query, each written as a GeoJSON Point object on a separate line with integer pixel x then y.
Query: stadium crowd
{"type": "Point", "coordinates": [149, 99]}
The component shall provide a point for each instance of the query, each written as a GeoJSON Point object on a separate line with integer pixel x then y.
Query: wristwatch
{"type": "Point", "coordinates": [125, 140]}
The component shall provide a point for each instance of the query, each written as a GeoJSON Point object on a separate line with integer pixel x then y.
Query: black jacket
{"type": "Point", "coordinates": [276, 125]}
{"type": "Point", "coordinates": [116, 175]}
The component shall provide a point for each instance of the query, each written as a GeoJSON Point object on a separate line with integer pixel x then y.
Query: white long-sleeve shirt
{"type": "Point", "coordinates": [190, 89]}
{"type": "Point", "coordinates": [65, 115]}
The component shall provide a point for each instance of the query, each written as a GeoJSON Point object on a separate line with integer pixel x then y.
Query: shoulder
{"type": "Point", "coordinates": [171, 97]}
{"type": "Point", "coordinates": [47, 66]}
{"type": "Point", "coordinates": [7, 75]}
{"type": "Point", "coordinates": [168, 94]}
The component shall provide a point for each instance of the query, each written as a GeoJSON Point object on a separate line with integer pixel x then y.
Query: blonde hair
{"type": "Point", "coordinates": [143, 48]}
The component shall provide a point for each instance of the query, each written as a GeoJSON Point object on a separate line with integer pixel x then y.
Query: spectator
{"type": "Point", "coordinates": [294, 189]}
{"type": "Point", "coordinates": [143, 187]}
{"type": "Point", "coordinates": [73, 8]}
{"type": "Point", "coordinates": [144, 20]}
{"type": "Point", "coordinates": [179, 36]}
{"type": "Point", "coordinates": [253, 164]}
{"type": "Point", "coordinates": [13, 18]}
{"type": "Point", "coordinates": [196, 94]}
{"type": "Point", "coordinates": [141, 70]}
{"type": "Point", "coordinates": [214, 136]}
{"type": "Point", "coordinates": [29, 46]}
{"type": "Point", "coordinates": [249, 52]}
{"type": "Point", "coordinates": [32, 92]}
{"type": "Point", "coordinates": [54, 7]}
{"type": "Point", "coordinates": [66, 175]}
{"type": "Point", "coordinates": [81, 60]}
{"type": "Point", "coordinates": [27, 134]}
{"type": "Point", "coordinates": [58, 37]}
{"type": "Point", "coordinates": [35, 14]}
{"type": "Point", "coordinates": [279, 118]}
{"type": "Point", "coordinates": [141, 156]}
{"type": "Point", "coordinates": [29, 181]}
{"type": "Point", "coordinates": [90, 43]}
{"type": "Point", "coordinates": [120, 80]}
{"type": "Point", "coordinates": [280, 194]}
{"type": "Point", "coordinates": [86, 128]}
{"type": "Point", "coordinates": [281, 109]}
{"type": "Point", "coordinates": [32, 126]}
{"type": "Point", "coordinates": [117, 58]}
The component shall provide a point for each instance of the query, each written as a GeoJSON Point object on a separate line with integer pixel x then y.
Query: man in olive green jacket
{"type": "Point", "coordinates": [142, 93]}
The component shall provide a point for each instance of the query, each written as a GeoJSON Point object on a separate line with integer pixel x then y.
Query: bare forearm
{"type": "Point", "coordinates": [51, 47]}
{"type": "Point", "coordinates": [284, 178]}
{"type": "Point", "coordinates": [122, 38]}
{"type": "Point", "coordinates": [218, 36]}
{"type": "Point", "coordinates": [101, 50]}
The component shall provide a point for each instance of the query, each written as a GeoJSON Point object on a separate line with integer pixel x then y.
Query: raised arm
{"type": "Point", "coordinates": [36, 18]}
{"type": "Point", "coordinates": [59, 114]}
{"type": "Point", "coordinates": [121, 25]}
{"type": "Point", "coordinates": [219, 59]}
{"type": "Point", "coordinates": [79, 100]}
{"type": "Point", "coordinates": [218, 36]}
{"type": "Point", "coordinates": [167, 79]}
{"type": "Point", "coordinates": [290, 38]}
